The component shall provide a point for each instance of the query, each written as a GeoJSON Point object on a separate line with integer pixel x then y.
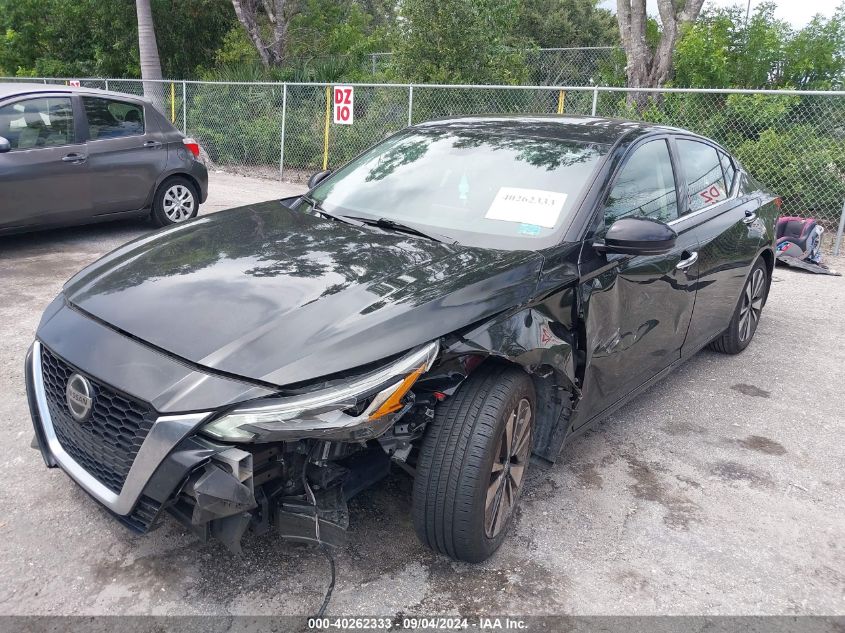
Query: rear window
{"type": "Point", "coordinates": [109, 118]}
{"type": "Point", "coordinates": [703, 171]}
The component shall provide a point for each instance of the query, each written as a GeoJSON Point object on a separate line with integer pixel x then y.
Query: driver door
{"type": "Point", "coordinates": [636, 309]}
{"type": "Point", "coordinates": [44, 178]}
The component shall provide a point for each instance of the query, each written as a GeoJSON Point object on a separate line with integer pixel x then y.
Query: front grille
{"type": "Point", "coordinates": [107, 442]}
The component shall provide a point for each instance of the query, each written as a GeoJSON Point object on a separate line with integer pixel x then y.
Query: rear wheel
{"type": "Point", "coordinates": [747, 314]}
{"type": "Point", "coordinates": [175, 201]}
{"type": "Point", "coordinates": [473, 464]}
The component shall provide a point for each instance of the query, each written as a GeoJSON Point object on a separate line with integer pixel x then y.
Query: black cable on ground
{"type": "Point", "coordinates": [323, 547]}
{"type": "Point", "coordinates": [330, 558]}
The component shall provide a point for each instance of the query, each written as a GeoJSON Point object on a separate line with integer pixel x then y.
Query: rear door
{"type": "Point", "coordinates": [724, 222]}
{"type": "Point", "coordinates": [44, 178]}
{"type": "Point", "coordinates": [636, 309]}
{"type": "Point", "coordinates": [125, 153]}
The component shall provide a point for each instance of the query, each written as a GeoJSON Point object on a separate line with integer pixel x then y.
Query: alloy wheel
{"type": "Point", "coordinates": [752, 304]}
{"type": "Point", "coordinates": [508, 472]}
{"type": "Point", "coordinates": [178, 203]}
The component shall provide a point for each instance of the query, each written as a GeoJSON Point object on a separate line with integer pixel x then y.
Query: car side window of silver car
{"type": "Point", "coordinates": [37, 123]}
{"type": "Point", "coordinates": [109, 118]}
{"type": "Point", "coordinates": [703, 170]}
{"type": "Point", "coordinates": [645, 186]}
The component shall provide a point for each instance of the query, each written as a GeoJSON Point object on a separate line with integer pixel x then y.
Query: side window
{"type": "Point", "coordinates": [35, 123]}
{"type": "Point", "coordinates": [645, 186]}
{"type": "Point", "coordinates": [703, 170]}
{"type": "Point", "coordinates": [730, 170]}
{"type": "Point", "coordinates": [108, 118]}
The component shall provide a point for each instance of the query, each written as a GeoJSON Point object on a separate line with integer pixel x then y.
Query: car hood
{"type": "Point", "coordinates": [281, 297]}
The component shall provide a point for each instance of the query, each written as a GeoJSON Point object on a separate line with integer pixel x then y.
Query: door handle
{"type": "Point", "coordinates": [689, 261]}
{"type": "Point", "coordinates": [750, 216]}
{"type": "Point", "coordinates": [152, 144]}
{"type": "Point", "coordinates": [74, 158]}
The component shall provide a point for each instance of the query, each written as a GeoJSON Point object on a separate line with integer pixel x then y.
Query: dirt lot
{"type": "Point", "coordinates": [719, 491]}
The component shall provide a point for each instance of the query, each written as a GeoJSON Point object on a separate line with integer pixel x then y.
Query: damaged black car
{"type": "Point", "coordinates": [456, 303]}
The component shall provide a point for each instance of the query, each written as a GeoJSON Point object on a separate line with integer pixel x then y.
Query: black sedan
{"type": "Point", "coordinates": [460, 300]}
{"type": "Point", "coordinates": [78, 155]}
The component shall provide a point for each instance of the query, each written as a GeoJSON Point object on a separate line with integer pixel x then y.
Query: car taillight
{"type": "Point", "coordinates": [192, 146]}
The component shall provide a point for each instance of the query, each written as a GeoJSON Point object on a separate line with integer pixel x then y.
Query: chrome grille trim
{"type": "Point", "coordinates": [167, 431]}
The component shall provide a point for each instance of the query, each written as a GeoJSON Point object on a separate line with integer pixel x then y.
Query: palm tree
{"type": "Point", "coordinates": [150, 63]}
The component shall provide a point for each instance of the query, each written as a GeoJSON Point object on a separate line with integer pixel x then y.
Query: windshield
{"type": "Point", "coordinates": [476, 188]}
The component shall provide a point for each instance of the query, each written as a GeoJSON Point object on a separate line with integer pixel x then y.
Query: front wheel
{"type": "Point", "coordinates": [747, 313]}
{"type": "Point", "coordinates": [175, 201]}
{"type": "Point", "coordinates": [473, 463]}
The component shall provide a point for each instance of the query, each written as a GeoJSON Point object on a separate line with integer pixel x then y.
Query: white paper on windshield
{"type": "Point", "coordinates": [528, 206]}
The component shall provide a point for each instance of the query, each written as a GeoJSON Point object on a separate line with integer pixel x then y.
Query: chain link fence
{"type": "Point", "coordinates": [793, 141]}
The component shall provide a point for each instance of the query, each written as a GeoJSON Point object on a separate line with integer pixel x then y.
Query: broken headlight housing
{"type": "Point", "coordinates": [359, 410]}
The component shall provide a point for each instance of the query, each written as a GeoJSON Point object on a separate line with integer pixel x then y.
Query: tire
{"type": "Point", "coordinates": [455, 467]}
{"type": "Point", "coordinates": [747, 313]}
{"type": "Point", "coordinates": [175, 201]}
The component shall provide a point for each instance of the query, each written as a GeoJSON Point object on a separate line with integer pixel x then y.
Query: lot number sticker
{"type": "Point", "coordinates": [527, 206]}
{"type": "Point", "coordinates": [344, 100]}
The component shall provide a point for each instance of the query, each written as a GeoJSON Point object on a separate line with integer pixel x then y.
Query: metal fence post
{"type": "Point", "coordinates": [184, 108]}
{"type": "Point", "coordinates": [839, 231]}
{"type": "Point", "coordinates": [595, 99]}
{"type": "Point", "coordinates": [282, 141]}
{"type": "Point", "coordinates": [410, 105]}
{"type": "Point", "coordinates": [106, 83]}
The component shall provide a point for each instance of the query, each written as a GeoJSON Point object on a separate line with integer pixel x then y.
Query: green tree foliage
{"type": "Point", "coordinates": [565, 23]}
{"type": "Point", "coordinates": [327, 27]}
{"type": "Point", "coordinates": [67, 38]}
{"type": "Point", "coordinates": [459, 41]}
{"type": "Point", "coordinates": [721, 51]}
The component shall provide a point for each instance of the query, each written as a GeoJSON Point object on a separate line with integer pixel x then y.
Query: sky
{"type": "Point", "coordinates": [796, 12]}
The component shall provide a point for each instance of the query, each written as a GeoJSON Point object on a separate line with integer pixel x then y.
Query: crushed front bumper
{"type": "Point", "coordinates": [213, 489]}
{"type": "Point", "coordinates": [167, 456]}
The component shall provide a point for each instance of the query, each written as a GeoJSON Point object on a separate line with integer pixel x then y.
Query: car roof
{"type": "Point", "coordinates": [586, 129]}
{"type": "Point", "coordinates": [13, 89]}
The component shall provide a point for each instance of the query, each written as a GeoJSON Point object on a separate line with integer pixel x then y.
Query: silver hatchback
{"type": "Point", "coordinates": [76, 155]}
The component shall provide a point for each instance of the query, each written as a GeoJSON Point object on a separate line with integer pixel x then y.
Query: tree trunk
{"type": "Point", "coordinates": [647, 69]}
{"type": "Point", "coordinates": [148, 49]}
{"type": "Point", "coordinates": [272, 51]}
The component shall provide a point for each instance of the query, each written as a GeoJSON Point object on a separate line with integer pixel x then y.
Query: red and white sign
{"type": "Point", "coordinates": [74, 83]}
{"type": "Point", "coordinates": [344, 101]}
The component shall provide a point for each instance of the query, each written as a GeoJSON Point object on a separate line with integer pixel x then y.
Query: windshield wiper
{"type": "Point", "coordinates": [393, 225]}
{"type": "Point", "coordinates": [316, 206]}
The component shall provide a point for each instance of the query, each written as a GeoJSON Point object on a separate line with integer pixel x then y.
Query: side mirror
{"type": "Point", "coordinates": [638, 236]}
{"type": "Point", "coordinates": [315, 180]}
{"type": "Point", "coordinates": [5, 145]}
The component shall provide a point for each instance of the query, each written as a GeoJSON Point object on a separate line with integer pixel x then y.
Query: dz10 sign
{"type": "Point", "coordinates": [344, 100]}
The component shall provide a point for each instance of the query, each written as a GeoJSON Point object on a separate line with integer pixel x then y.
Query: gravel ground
{"type": "Point", "coordinates": [719, 491]}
